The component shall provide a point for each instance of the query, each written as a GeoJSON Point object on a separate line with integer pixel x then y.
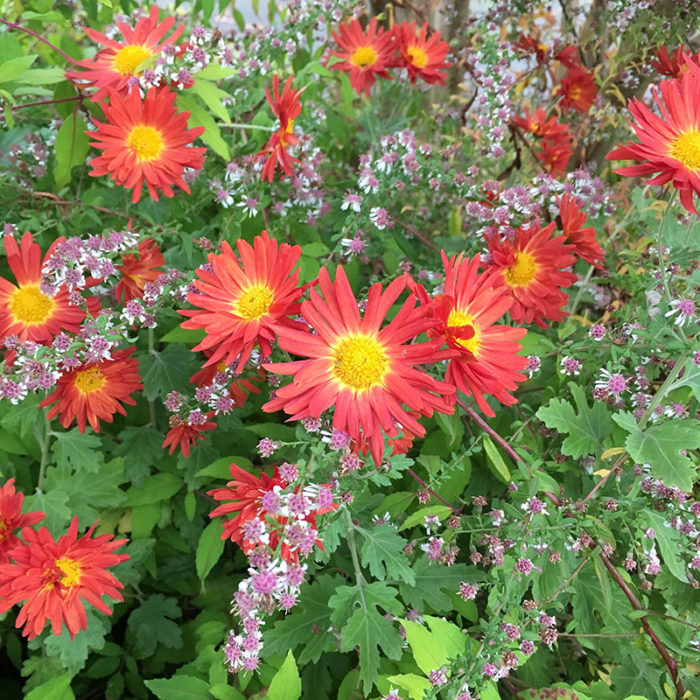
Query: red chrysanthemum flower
{"type": "Point", "coordinates": [675, 66]}
{"type": "Point", "coordinates": [422, 57]}
{"type": "Point", "coordinates": [555, 156]}
{"type": "Point", "coordinates": [53, 579]}
{"type": "Point", "coordinates": [136, 272]}
{"type": "Point", "coordinates": [577, 89]}
{"type": "Point", "coordinates": [669, 146]}
{"type": "Point", "coordinates": [244, 304]}
{"type": "Point", "coordinates": [365, 372]}
{"type": "Point", "coordinates": [487, 363]}
{"type": "Point", "coordinates": [245, 493]}
{"type": "Point", "coordinates": [568, 56]}
{"type": "Point", "coordinates": [582, 237]}
{"type": "Point", "coordinates": [365, 55]}
{"type": "Point", "coordinates": [95, 391]}
{"type": "Point", "coordinates": [531, 270]}
{"type": "Point", "coordinates": [184, 435]}
{"type": "Point", "coordinates": [12, 518]}
{"type": "Point", "coordinates": [114, 67]}
{"type": "Point", "coordinates": [286, 107]}
{"type": "Point", "coordinates": [25, 311]}
{"type": "Point", "coordinates": [538, 125]}
{"type": "Point", "coordinates": [146, 141]}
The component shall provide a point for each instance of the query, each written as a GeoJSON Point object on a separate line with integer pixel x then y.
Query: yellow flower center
{"type": "Point", "coordinates": [574, 93]}
{"type": "Point", "coordinates": [254, 302]}
{"type": "Point", "coordinates": [360, 362]}
{"type": "Point", "coordinates": [686, 149]}
{"type": "Point", "coordinates": [88, 381]}
{"type": "Point", "coordinates": [417, 56]}
{"type": "Point", "coordinates": [459, 318]}
{"type": "Point", "coordinates": [145, 142]}
{"type": "Point", "coordinates": [127, 59]}
{"type": "Point", "coordinates": [29, 306]}
{"type": "Point", "coordinates": [364, 56]}
{"type": "Point", "coordinates": [523, 270]}
{"type": "Point", "coordinates": [71, 571]}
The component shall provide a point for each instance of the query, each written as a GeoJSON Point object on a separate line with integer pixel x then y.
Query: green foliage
{"type": "Point", "coordinates": [381, 552]}
{"type": "Point", "coordinates": [286, 685]}
{"type": "Point", "coordinates": [152, 624]}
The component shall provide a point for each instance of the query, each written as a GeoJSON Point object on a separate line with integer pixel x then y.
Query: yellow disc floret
{"type": "Point", "coordinates": [686, 149]}
{"type": "Point", "coordinates": [417, 56]}
{"type": "Point", "coordinates": [522, 271]}
{"type": "Point", "coordinates": [88, 381]}
{"type": "Point", "coordinates": [145, 142]}
{"type": "Point", "coordinates": [360, 362]}
{"type": "Point", "coordinates": [364, 56]}
{"type": "Point", "coordinates": [127, 59]}
{"type": "Point", "coordinates": [29, 306]}
{"type": "Point", "coordinates": [71, 571]}
{"type": "Point", "coordinates": [254, 302]}
{"type": "Point", "coordinates": [460, 318]}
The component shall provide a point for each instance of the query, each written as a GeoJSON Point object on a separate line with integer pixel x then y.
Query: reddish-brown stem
{"type": "Point", "coordinates": [567, 582]}
{"type": "Point", "coordinates": [613, 469]}
{"type": "Point", "coordinates": [668, 659]}
{"type": "Point", "coordinates": [488, 429]}
{"type": "Point", "coordinates": [47, 102]}
{"type": "Point", "coordinates": [433, 493]}
{"type": "Point", "coordinates": [12, 25]}
{"type": "Point", "coordinates": [413, 231]}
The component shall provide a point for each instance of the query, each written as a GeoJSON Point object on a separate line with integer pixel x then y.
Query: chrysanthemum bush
{"type": "Point", "coordinates": [346, 354]}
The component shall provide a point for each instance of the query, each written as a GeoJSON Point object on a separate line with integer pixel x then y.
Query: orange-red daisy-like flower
{"type": "Point", "coordinates": [95, 391]}
{"type": "Point", "coordinates": [487, 363]}
{"type": "Point", "coordinates": [365, 55]}
{"type": "Point", "coordinates": [113, 68]}
{"type": "Point", "coordinates": [582, 237]}
{"type": "Point", "coordinates": [674, 66]}
{"type": "Point", "coordinates": [555, 156]}
{"type": "Point", "coordinates": [286, 107]}
{"type": "Point", "coordinates": [146, 141]}
{"type": "Point", "coordinates": [538, 125]}
{"type": "Point", "coordinates": [670, 144]}
{"type": "Point", "coordinates": [136, 272]}
{"type": "Point", "coordinates": [365, 372]}
{"type": "Point", "coordinates": [531, 271]}
{"type": "Point", "coordinates": [26, 311]}
{"type": "Point", "coordinates": [12, 518]}
{"type": "Point", "coordinates": [245, 494]}
{"type": "Point", "coordinates": [245, 303]}
{"type": "Point", "coordinates": [577, 89]}
{"type": "Point", "coordinates": [184, 435]}
{"type": "Point", "coordinates": [422, 57]}
{"type": "Point", "coordinates": [53, 579]}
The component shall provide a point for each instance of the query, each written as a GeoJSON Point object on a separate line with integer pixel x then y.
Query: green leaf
{"type": "Point", "coordinates": [54, 504]}
{"type": "Point", "coordinates": [167, 371]}
{"type": "Point", "coordinates": [286, 684]}
{"type": "Point", "coordinates": [209, 548]}
{"type": "Point", "coordinates": [183, 335]}
{"type": "Point", "coordinates": [494, 460]}
{"type": "Point", "coordinates": [77, 450]}
{"type": "Point", "coordinates": [382, 553]}
{"type": "Point", "coordinates": [151, 624]}
{"type": "Point", "coordinates": [9, 70]}
{"type": "Point", "coordinates": [156, 488]}
{"type": "Point", "coordinates": [418, 518]}
{"type": "Point", "coordinates": [432, 650]}
{"type": "Point", "coordinates": [42, 76]}
{"type": "Point", "coordinates": [691, 378]}
{"type": "Point", "coordinates": [660, 446]}
{"type": "Point", "coordinates": [416, 686]}
{"type": "Point", "coordinates": [369, 630]}
{"type": "Point", "coordinates": [74, 652]}
{"type": "Point", "coordinates": [431, 580]}
{"type": "Point", "coordinates": [142, 448]}
{"type": "Point", "coordinates": [212, 96]}
{"type": "Point", "coordinates": [636, 675]}
{"type": "Point", "coordinates": [57, 688]}
{"type": "Point", "coordinates": [199, 117]}
{"type": "Point", "coordinates": [72, 146]}
{"type": "Point", "coordinates": [669, 541]}
{"type": "Point", "coordinates": [220, 469]}
{"type": "Point", "coordinates": [179, 688]}
{"type": "Point", "coordinates": [215, 71]}
{"type": "Point", "coordinates": [586, 429]}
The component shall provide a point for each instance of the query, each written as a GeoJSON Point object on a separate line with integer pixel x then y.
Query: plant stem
{"type": "Point", "coordinates": [252, 127]}
{"type": "Point", "coordinates": [44, 453]}
{"type": "Point", "coordinates": [661, 391]}
{"type": "Point", "coordinates": [488, 429]}
{"type": "Point", "coordinates": [433, 493]}
{"type": "Point", "coordinates": [353, 554]}
{"type": "Point", "coordinates": [12, 25]}
{"type": "Point", "coordinates": [668, 659]}
{"type": "Point", "coordinates": [24, 105]}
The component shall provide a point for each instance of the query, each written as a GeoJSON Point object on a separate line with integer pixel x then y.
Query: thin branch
{"type": "Point", "coordinates": [12, 25]}
{"type": "Point", "coordinates": [413, 231]}
{"type": "Point", "coordinates": [47, 102]}
{"type": "Point", "coordinates": [488, 429]}
{"type": "Point", "coordinates": [668, 659]}
{"type": "Point", "coordinates": [456, 511]}
{"type": "Point", "coordinates": [567, 582]}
